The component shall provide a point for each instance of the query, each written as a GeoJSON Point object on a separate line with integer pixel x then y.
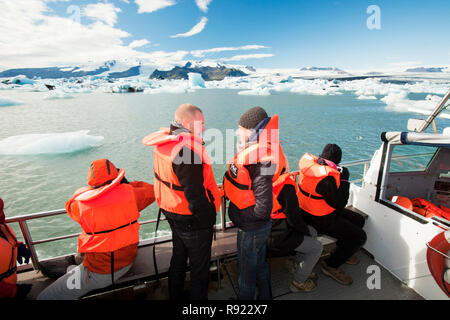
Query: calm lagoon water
{"type": "Point", "coordinates": [35, 183]}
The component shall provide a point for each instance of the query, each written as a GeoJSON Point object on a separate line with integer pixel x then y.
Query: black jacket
{"type": "Point", "coordinates": [258, 215]}
{"type": "Point", "coordinates": [287, 234]}
{"type": "Point", "coordinates": [188, 168]}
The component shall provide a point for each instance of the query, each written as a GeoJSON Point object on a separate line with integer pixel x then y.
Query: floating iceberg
{"type": "Point", "coordinates": [8, 102]}
{"type": "Point", "coordinates": [57, 94]}
{"type": "Point", "coordinates": [48, 143]}
{"type": "Point", "coordinates": [196, 80]}
{"type": "Point", "coordinates": [399, 102]}
{"type": "Point", "coordinates": [363, 97]}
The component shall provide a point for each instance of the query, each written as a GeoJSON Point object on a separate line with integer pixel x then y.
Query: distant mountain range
{"type": "Point", "coordinates": [108, 69]}
{"type": "Point", "coordinates": [422, 69]}
{"type": "Point", "coordinates": [218, 72]}
{"type": "Point", "coordinates": [321, 69]}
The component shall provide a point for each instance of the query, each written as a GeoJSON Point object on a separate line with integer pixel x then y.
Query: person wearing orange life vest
{"type": "Point", "coordinates": [107, 211]}
{"type": "Point", "coordinates": [290, 235]}
{"type": "Point", "coordinates": [11, 251]}
{"type": "Point", "coordinates": [188, 196]}
{"type": "Point", "coordinates": [324, 192]}
{"type": "Point", "coordinates": [248, 185]}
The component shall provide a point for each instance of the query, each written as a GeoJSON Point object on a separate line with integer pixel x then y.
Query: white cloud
{"type": "Point", "coordinates": [153, 5]}
{"type": "Point", "coordinates": [42, 40]}
{"type": "Point", "coordinates": [248, 56]}
{"type": "Point", "coordinates": [203, 4]}
{"type": "Point", "coordinates": [195, 29]}
{"type": "Point", "coordinates": [138, 43]}
{"type": "Point", "coordinates": [201, 53]}
{"type": "Point", "coordinates": [105, 12]}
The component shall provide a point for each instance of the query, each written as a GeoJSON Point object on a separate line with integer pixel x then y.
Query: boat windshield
{"type": "Point", "coordinates": [407, 158]}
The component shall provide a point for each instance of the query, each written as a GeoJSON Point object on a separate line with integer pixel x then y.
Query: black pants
{"type": "Point", "coordinates": [344, 225]}
{"type": "Point", "coordinates": [195, 245]}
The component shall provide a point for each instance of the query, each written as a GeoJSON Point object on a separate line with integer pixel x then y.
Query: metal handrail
{"type": "Point", "coordinates": [23, 219]}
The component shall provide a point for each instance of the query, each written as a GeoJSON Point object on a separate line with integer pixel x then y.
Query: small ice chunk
{"type": "Point", "coordinates": [57, 94]}
{"type": "Point", "coordinates": [8, 102]}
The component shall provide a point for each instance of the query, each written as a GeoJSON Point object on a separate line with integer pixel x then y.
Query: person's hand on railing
{"type": "Point", "coordinates": [23, 254]}
{"type": "Point", "coordinates": [345, 174]}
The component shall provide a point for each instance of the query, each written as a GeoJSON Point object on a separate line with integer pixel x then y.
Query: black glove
{"type": "Point", "coordinates": [22, 290]}
{"type": "Point", "coordinates": [24, 253]}
{"type": "Point", "coordinates": [345, 174]}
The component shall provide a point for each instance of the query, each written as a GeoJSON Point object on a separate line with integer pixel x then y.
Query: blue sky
{"type": "Point", "coordinates": [291, 33]}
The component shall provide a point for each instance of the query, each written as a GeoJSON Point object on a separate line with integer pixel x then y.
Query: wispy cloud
{"type": "Point", "coordinates": [248, 56]}
{"type": "Point", "coordinates": [153, 5]}
{"type": "Point", "coordinates": [138, 43]}
{"type": "Point", "coordinates": [203, 4]}
{"type": "Point", "coordinates": [105, 12]}
{"type": "Point", "coordinates": [201, 53]}
{"type": "Point", "coordinates": [195, 29]}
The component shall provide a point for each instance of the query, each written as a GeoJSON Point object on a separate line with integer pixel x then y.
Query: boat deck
{"type": "Point", "coordinates": [140, 282]}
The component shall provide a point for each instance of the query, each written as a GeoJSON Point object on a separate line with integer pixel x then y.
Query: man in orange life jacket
{"type": "Point", "coordinates": [248, 186]}
{"type": "Point", "coordinates": [107, 211]}
{"type": "Point", "coordinates": [11, 251]}
{"type": "Point", "coordinates": [187, 194]}
{"type": "Point", "coordinates": [324, 192]}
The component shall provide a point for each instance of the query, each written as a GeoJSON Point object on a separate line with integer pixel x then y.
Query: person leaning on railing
{"type": "Point", "coordinates": [107, 210]}
{"type": "Point", "coordinates": [324, 192]}
{"type": "Point", "coordinates": [11, 251]}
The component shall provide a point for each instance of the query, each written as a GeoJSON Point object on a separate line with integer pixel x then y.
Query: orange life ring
{"type": "Point", "coordinates": [437, 263]}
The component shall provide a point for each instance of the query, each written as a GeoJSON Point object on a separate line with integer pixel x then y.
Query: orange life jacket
{"type": "Point", "coordinates": [403, 201]}
{"type": "Point", "coordinates": [283, 180]}
{"type": "Point", "coordinates": [237, 182]}
{"type": "Point", "coordinates": [8, 254]}
{"type": "Point", "coordinates": [311, 173]}
{"type": "Point", "coordinates": [428, 209]}
{"type": "Point", "coordinates": [107, 215]}
{"type": "Point", "coordinates": [168, 191]}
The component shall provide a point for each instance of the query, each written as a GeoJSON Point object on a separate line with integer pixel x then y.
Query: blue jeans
{"type": "Point", "coordinates": [253, 268]}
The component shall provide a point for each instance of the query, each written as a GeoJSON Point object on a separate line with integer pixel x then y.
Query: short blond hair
{"type": "Point", "coordinates": [186, 111]}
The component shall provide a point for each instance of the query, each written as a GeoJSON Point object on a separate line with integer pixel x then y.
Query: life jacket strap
{"type": "Point", "coordinates": [111, 230]}
{"type": "Point", "coordinates": [168, 184]}
{"type": "Point", "coordinates": [309, 195]}
{"type": "Point", "coordinates": [235, 183]}
{"type": "Point", "coordinates": [8, 273]}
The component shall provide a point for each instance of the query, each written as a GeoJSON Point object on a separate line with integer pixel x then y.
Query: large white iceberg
{"type": "Point", "coordinates": [48, 143]}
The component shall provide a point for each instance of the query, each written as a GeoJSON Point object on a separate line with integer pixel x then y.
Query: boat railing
{"type": "Point", "coordinates": [31, 244]}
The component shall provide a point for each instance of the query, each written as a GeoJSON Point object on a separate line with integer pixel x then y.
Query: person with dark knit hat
{"type": "Point", "coordinates": [324, 192]}
{"type": "Point", "coordinates": [248, 186]}
{"type": "Point", "coordinates": [11, 251]}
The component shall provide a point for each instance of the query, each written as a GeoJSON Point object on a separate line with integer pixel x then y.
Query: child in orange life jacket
{"type": "Point", "coordinates": [107, 211]}
{"type": "Point", "coordinates": [11, 251]}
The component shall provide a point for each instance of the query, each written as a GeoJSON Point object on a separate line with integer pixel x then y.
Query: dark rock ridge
{"type": "Point", "coordinates": [208, 73]}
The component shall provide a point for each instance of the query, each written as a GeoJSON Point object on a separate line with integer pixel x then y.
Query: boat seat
{"type": "Point", "coordinates": [143, 268]}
